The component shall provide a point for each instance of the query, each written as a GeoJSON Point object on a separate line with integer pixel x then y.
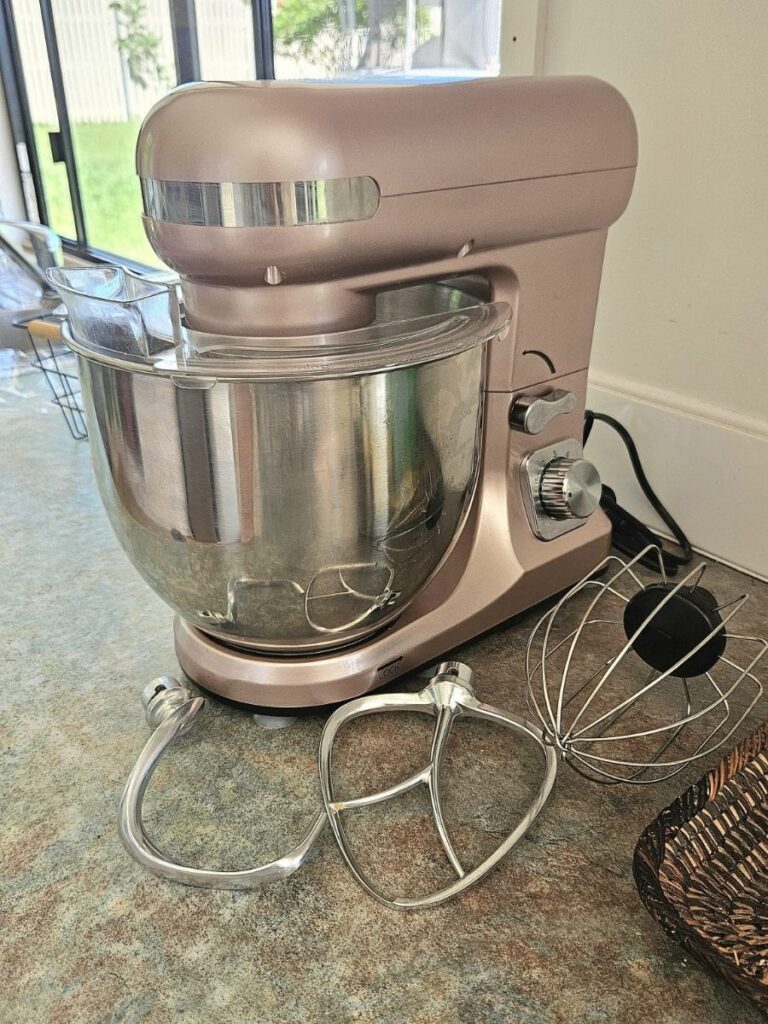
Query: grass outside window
{"type": "Point", "coordinates": [108, 185]}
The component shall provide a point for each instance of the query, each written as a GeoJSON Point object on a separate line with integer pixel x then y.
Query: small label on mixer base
{"type": "Point", "coordinates": [388, 670]}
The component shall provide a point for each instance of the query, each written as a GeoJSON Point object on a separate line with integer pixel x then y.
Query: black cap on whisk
{"type": "Point", "coordinates": [676, 628]}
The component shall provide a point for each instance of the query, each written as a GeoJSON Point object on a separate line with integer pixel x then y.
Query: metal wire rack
{"type": "Point", "coordinates": [30, 250]}
{"type": "Point", "coordinates": [59, 367]}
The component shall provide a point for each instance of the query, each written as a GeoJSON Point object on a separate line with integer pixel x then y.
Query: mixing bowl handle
{"type": "Point", "coordinates": [171, 710]}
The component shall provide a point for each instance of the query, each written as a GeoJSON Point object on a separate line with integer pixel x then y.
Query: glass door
{"type": "Point", "coordinates": [116, 60]}
{"type": "Point", "coordinates": [25, 28]}
{"type": "Point", "coordinates": [88, 71]}
{"type": "Point", "coordinates": [380, 40]}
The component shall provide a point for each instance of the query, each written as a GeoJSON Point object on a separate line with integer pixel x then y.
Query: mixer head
{"type": "Point", "coordinates": [285, 207]}
{"type": "Point", "coordinates": [675, 686]}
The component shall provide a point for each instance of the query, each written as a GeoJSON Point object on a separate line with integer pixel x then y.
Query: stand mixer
{"type": "Point", "coordinates": [347, 442]}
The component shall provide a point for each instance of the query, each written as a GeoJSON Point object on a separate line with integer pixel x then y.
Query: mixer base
{"type": "Point", "coordinates": [263, 682]}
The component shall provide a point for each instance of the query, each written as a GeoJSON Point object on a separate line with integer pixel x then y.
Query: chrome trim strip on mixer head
{"type": "Point", "coordinates": [254, 204]}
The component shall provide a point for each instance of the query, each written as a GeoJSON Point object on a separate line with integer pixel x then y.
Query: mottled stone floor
{"type": "Point", "coordinates": [556, 934]}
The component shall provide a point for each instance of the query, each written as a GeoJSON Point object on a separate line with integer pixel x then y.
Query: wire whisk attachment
{"type": "Point", "coordinates": [676, 685]}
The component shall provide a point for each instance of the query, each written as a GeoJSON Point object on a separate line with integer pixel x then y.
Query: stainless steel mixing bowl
{"type": "Point", "coordinates": [297, 514]}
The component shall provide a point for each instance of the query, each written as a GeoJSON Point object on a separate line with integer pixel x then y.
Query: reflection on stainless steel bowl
{"type": "Point", "coordinates": [291, 515]}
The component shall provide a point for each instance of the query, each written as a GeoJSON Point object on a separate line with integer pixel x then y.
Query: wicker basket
{"type": "Point", "coordinates": [701, 869]}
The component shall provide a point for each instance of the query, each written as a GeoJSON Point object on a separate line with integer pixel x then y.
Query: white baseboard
{"type": "Point", "coordinates": [709, 469]}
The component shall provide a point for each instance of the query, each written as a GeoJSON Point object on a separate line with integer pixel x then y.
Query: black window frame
{"type": "Point", "coordinates": [187, 60]}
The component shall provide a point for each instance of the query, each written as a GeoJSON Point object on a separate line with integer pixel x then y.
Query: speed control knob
{"type": "Point", "coordinates": [569, 489]}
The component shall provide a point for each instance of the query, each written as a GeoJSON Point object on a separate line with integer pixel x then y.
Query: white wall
{"type": "Point", "coordinates": [681, 341]}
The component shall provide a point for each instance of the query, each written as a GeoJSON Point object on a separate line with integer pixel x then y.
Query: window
{"type": "Point", "coordinates": [79, 76]}
{"type": "Point", "coordinates": [380, 39]}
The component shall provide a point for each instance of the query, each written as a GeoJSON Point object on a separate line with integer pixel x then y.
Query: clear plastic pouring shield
{"type": "Point", "coordinates": [120, 319]}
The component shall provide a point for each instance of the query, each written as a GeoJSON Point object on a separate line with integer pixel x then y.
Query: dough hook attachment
{"type": "Point", "coordinates": [171, 710]}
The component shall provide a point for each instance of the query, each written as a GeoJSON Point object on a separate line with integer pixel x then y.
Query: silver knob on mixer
{"type": "Point", "coordinates": [532, 413]}
{"type": "Point", "coordinates": [569, 489]}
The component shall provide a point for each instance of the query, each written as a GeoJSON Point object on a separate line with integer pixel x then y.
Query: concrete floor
{"type": "Point", "coordinates": [556, 934]}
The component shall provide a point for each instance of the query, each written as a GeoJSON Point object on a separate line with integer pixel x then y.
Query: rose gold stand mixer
{"type": "Point", "coordinates": [348, 440]}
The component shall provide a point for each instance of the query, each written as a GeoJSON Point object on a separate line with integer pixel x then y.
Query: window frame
{"type": "Point", "coordinates": [187, 63]}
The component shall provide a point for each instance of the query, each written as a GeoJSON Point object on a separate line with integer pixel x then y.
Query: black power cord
{"type": "Point", "coordinates": [630, 536]}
